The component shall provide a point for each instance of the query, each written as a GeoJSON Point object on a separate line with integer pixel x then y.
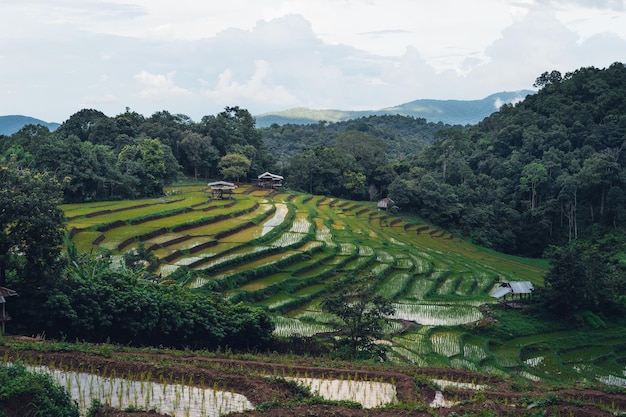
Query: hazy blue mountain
{"type": "Point", "coordinates": [11, 124]}
{"type": "Point", "coordinates": [454, 112]}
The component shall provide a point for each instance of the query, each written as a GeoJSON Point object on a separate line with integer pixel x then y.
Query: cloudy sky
{"type": "Point", "coordinates": [196, 57]}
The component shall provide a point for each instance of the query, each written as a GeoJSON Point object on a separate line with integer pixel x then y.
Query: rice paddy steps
{"type": "Point", "coordinates": [268, 229]}
{"type": "Point", "coordinates": [288, 326]}
{"type": "Point", "coordinates": [286, 248]}
{"type": "Point", "coordinates": [103, 208]}
{"type": "Point", "coordinates": [557, 355]}
{"type": "Point", "coordinates": [394, 284]}
{"type": "Point", "coordinates": [191, 236]}
{"type": "Point", "coordinates": [132, 225]}
{"type": "Point", "coordinates": [302, 279]}
{"type": "Point", "coordinates": [282, 251]}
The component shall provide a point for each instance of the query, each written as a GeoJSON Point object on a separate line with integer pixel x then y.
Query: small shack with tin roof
{"type": "Point", "coordinates": [513, 291]}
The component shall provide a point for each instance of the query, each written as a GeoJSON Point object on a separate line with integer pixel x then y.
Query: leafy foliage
{"type": "Point", "coordinates": [31, 225]}
{"type": "Point", "coordinates": [543, 172]}
{"type": "Point", "coordinates": [99, 301]}
{"type": "Point", "coordinates": [36, 392]}
{"type": "Point", "coordinates": [129, 156]}
{"type": "Point", "coordinates": [363, 315]}
{"type": "Point", "coordinates": [586, 277]}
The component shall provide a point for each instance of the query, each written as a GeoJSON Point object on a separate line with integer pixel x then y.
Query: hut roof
{"type": "Point", "coordinates": [513, 287]}
{"type": "Point", "coordinates": [385, 202]}
{"type": "Point", "coordinates": [6, 292]}
{"type": "Point", "coordinates": [222, 185]}
{"type": "Point", "coordinates": [268, 175]}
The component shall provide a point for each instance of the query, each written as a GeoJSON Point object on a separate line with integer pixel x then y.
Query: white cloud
{"type": "Point", "coordinates": [197, 57]}
{"type": "Point", "coordinates": [158, 86]}
{"type": "Point", "coordinates": [258, 89]}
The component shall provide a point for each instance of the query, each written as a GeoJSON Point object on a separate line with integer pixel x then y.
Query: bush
{"type": "Point", "coordinates": [32, 393]}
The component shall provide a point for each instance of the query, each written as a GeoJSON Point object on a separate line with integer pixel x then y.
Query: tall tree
{"type": "Point", "coordinates": [200, 153]}
{"type": "Point", "coordinates": [234, 166]}
{"type": "Point", "coordinates": [533, 175]}
{"type": "Point", "coordinates": [363, 315]}
{"type": "Point", "coordinates": [585, 276]}
{"type": "Point", "coordinates": [32, 226]}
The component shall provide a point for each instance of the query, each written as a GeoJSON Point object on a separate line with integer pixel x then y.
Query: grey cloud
{"type": "Point", "coordinates": [277, 64]}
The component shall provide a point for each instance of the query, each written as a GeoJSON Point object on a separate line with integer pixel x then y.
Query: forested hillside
{"type": "Point", "coordinates": [402, 135]}
{"type": "Point", "coordinates": [545, 171]}
{"type": "Point", "coordinates": [127, 156]}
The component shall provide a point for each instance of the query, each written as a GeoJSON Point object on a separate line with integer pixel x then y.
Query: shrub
{"type": "Point", "coordinates": [34, 393]}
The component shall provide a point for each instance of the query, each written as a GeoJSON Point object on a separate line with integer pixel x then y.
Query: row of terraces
{"type": "Point", "coordinates": [281, 251]}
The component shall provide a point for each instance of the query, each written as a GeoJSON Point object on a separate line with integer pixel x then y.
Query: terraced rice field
{"type": "Point", "coordinates": [280, 251]}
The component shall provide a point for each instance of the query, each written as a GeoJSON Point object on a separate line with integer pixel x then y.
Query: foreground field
{"type": "Point", "coordinates": [265, 384]}
{"type": "Point", "coordinates": [280, 251]}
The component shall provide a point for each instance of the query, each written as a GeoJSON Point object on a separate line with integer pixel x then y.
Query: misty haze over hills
{"type": "Point", "coordinates": [454, 112]}
{"type": "Point", "coordinates": [13, 123]}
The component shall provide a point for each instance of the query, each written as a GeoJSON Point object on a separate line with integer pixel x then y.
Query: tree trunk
{"type": "Point", "coordinates": [602, 204]}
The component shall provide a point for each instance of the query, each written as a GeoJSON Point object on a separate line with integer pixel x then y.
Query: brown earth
{"type": "Point", "coordinates": [279, 399]}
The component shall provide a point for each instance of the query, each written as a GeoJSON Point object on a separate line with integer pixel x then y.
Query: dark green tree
{"type": "Point", "coordinates": [363, 315]}
{"type": "Point", "coordinates": [584, 277]}
{"type": "Point", "coordinates": [32, 226]}
{"type": "Point", "coordinates": [36, 392]}
{"type": "Point", "coordinates": [147, 166]}
{"type": "Point", "coordinates": [200, 155]}
{"type": "Point", "coordinates": [81, 124]}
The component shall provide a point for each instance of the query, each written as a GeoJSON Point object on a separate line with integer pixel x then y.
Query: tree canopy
{"type": "Point", "coordinates": [32, 225]}
{"type": "Point", "coordinates": [363, 315]}
{"type": "Point", "coordinates": [543, 172]}
{"type": "Point", "coordinates": [129, 156]}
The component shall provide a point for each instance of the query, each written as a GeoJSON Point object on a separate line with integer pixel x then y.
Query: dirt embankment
{"type": "Point", "coordinates": [413, 385]}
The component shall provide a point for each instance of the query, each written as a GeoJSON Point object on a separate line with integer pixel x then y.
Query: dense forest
{"type": "Point", "coordinates": [403, 135]}
{"type": "Point", "coordinates": [126, 156]}
{"type": "Point", "coordinates": [545, 171]}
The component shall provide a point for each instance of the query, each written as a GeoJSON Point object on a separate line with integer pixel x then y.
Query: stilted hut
{"type": "Point", "coordinates": [269, 180]}
{"type": "Point", "coordinates": [219, 188]}
{"type": "Point", "coordinates": [4, 293]}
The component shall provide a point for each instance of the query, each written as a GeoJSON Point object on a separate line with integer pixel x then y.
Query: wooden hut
{"type": "Point", "coordinates": [513, 293]}
{"type": "Point", "coordinates": [385, 204]}
{"type": "Point", "coordinates": [4, 293]}
{"type": "Point", "coordinates": [219, 188]}
{"type": "Point", "coordinates": [269, 180]}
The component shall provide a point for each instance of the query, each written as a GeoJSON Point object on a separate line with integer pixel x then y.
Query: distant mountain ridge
{"type": "Point", "coordinates": [13, 123]}
{"type": "Point", "coordinates": [454, 112]}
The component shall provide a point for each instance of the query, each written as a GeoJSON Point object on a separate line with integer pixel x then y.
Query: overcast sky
{"type": "Point", "coordinates": [198, 56]}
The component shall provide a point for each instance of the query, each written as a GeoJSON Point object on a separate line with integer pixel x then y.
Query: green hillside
{"type": "Point", "coordinates": [281, 251]}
